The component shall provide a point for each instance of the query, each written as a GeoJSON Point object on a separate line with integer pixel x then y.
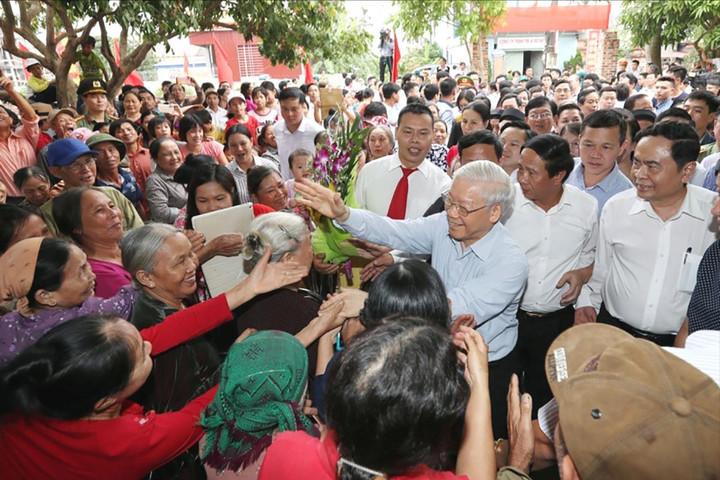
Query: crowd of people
{"type": "Point", "coordinates": [536, 291]}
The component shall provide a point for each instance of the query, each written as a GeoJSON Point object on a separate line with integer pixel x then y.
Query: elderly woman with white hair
{"type": "Point", "coordinates": [483, 268]}
{"type": "Point", "coordinates": [291, 308]}
{"type": "Point", "coordinates": [162, 264]}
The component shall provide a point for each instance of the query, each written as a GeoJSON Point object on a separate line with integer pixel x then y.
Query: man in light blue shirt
{"type": "Point", "coordinates": [664, 93]}
{"type": "Point", "coordinates": [602, 139]}
{"type": "Point", "coordinates": [483, 268]}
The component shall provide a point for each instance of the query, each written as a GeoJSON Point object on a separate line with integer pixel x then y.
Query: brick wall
{"type": "Point", "coordinates": [611, 50]}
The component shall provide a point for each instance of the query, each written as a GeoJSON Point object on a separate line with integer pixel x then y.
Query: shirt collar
{"type": "Point", "coordinates": [484, 248]}
{"type": "Point", "coordinates": [394, 162]}
{"type": "Point", "coordinates": [691, 205]}
{"type": "Point", "coordinates": [163, 174]}
{"type": "Point", "coordinates": [606, 183]}
{"type": "Point", "coordinates": [564, 199]}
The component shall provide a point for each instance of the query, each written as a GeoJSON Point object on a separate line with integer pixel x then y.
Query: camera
{"type": "Point", "coordinates": [384, 33]}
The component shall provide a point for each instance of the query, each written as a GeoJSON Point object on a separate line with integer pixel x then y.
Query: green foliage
{"type": "Point", "coordinates": [428, 52]}
{"type": "Point", "coordinates": [673, 20]}
{"type": "Point", "coordinates": [472, 20]}
{"type": "Point", "coordinates": [291, 29]}
{"type": "Point", "coordinates": [576, 61]}
{"type": "Point", "coordinates": [356, 56]}
{"type": "Point", "coordinates": [154, 21]}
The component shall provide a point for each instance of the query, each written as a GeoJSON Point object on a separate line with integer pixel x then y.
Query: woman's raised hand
{"type": "Point", "coordinates": [227, 245]}
{"type": "Point", "coordinates": [266, 277]}
{"type": "Point", "coordinates": [353, 300]}
{"type": "Point", "coordinates": [475, 357]}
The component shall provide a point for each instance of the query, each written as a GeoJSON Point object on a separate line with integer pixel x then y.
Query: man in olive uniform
{"type": "Point", "coordinates": [94, 95]}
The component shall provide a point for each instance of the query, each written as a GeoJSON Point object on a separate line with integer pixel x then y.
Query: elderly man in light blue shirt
{"type": "Point", "coordinates": [483, 268]}
{"type": "Point", "coordinates": [602, 139]}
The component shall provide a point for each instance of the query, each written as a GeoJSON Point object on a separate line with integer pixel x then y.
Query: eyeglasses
{"type": "Point", "coordinates": [536, 116]}
{"type": "Point", "coordinates": [77, 166]}
{"type": "Point", "coordinates": [462, 211]}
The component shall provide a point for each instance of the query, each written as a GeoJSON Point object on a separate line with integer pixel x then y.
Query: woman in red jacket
{"type": "Point", "coordinates": [65, 398]}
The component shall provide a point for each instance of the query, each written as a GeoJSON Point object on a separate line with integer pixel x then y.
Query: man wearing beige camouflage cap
{"type": "Point", "coordinates": [630, 410]}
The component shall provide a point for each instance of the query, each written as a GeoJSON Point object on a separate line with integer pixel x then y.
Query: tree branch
{"type": "Point", "coordinates": [22, 5]}
{"type": "Point", "coordinates": [105, 48]}
{"type": "Point", "coordinates": [64, 17]}
{"type": "Point", "coordinates": [231, 26]}
{"type": "Point", "coordinates": [7, 24]}
{"type": "Point", "coordinates": [123, 41]}
{"type": "Point", "coordinates": [50, 40]}
{"type": "Point", "coordinates": [10, 28]}
{"type": "Point", "coordinates": [35, 9]}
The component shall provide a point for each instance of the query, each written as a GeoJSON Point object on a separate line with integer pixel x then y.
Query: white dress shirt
{"type": "Point", "coordinates": [555, 242]}
{"type": "Point", "coordinates": [698, 176]}
{"type": "Point", "coordinates": [378, 179]}
{"type": "Point", "coordinates": [303, 137]}
{"type": "Point", "coordinates": [219, 118]}
{"type": "Point", "coordinates": [639, 259]}
{"type": "Point", "coordinates": [393, 112]}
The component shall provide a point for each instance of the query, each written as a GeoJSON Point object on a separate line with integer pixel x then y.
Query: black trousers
{"type": "Point", "coordinates": [49, 95]}
{"type": "Point", "coordinates": [535, 334]}
{"type": "Point", "coordinates": [385, 62]}
{"type": "Point", "coordinates": [662, 339]}
{"type": "Point", "coordinates": [499, 372]}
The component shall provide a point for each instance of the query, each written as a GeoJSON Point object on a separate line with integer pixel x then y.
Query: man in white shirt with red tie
{"type": "Point", "coordinates": [402, 185]}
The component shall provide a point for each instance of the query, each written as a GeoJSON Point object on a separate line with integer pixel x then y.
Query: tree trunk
{"type": "Point", "coordinates": [65, 87]}
{"type": "Point", "coordinates": [128, 63]}
{"type": "Point", "coordinates": [478, 61]}
{"type": "Point", "coordinates": [654, 50]}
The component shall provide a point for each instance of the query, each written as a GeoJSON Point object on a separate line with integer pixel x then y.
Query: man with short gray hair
{"type": "Point", "coordinates": [483, 268]}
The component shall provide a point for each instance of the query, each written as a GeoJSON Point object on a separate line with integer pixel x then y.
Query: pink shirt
{"type": "Point", "coordinates": [109, 277]}
{"type": "Point", "coordinates": [18, 152]}
{"type": "Point", "coordinates": [211, 147]}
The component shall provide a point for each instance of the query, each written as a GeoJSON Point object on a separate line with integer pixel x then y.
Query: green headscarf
{"type": "Point", "coordinates": [261, 389]}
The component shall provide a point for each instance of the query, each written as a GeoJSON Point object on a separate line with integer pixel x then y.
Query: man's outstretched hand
{"type": "Point", "coordinates": [322, 199]}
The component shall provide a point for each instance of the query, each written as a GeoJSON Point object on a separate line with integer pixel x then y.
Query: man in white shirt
{"type": "Point", "coordinates": [378, 180]}
{"type": "Point", "coordinates": [293, 131]}
{"type": "Point", "coordinates": [448, 90]}
{"type": "Point", "coordinates": [651, 239]}
{"type": "Point", "coordinates": [391, 100]}
{"type": "Point", "coordinates": [556, 226]}
{"type": "Point", "coordinates": [218, 114]}
{"type": "Point", "coordinates": [381, 182]}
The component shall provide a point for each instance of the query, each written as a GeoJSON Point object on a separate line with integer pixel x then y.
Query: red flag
{"type": "Point", "coordinates": [27, 74]}
{"type": "Point", "coordinates": [308, 74]}
{"type": "Point", "coordinates": [74, 69]}
{"type": "Point", "coordinates": [223, 67]}
{"type": "Point", "coordinates": [396, 58]}
{"type": "Point", "coordinates": [132, 79]}
{"type": "Point", "coordinates": [186, 67]}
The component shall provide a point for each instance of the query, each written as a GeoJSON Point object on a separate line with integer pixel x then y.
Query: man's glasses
{"type": "Point", "coordinates": [536, 116]}
{"type": "Point", "coordinates": [462, 211]}
{"type": "Point", "coordinates": [78, 166]}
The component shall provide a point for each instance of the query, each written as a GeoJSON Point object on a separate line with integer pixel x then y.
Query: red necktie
{"type": "Point", "coordinates": [398, 203]}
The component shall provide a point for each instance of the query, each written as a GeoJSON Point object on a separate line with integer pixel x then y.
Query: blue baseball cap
{"type": "Point", "coordinates": [62, 153]}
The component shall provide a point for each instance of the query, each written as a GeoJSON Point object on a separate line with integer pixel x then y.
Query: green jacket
{"type": "Point", "coordinates": [131, 218]}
